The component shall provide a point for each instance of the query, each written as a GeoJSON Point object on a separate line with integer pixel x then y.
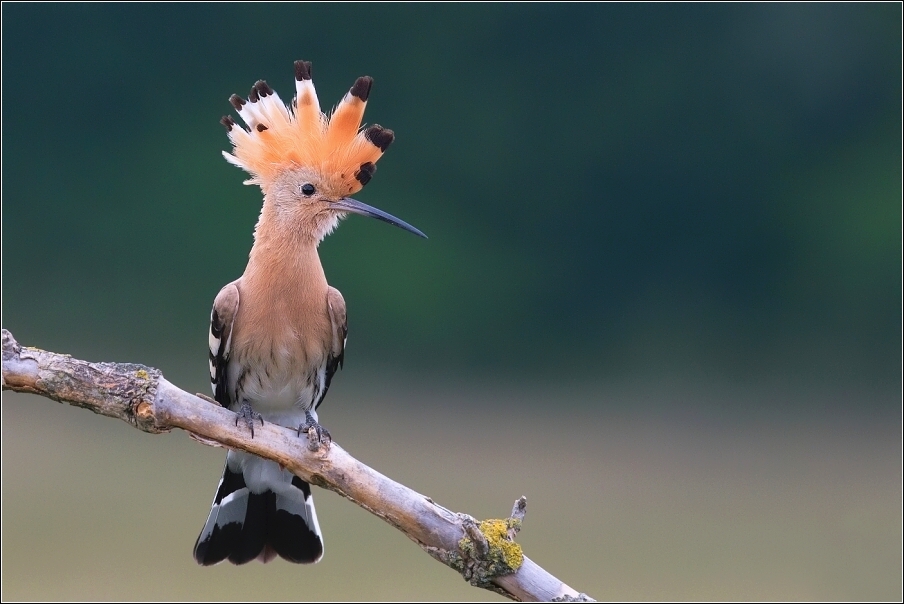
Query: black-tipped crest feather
{"type": "Point", "coordinates": [361, 88]}
{"type": "Point", "coordinates": [302, 70]}
{"type": "Point", "coordinates": [381, 137]}
{"type": "Point", "coordinates": [262, 88]}
{"type": "Point", "coordinates": [365, 172]}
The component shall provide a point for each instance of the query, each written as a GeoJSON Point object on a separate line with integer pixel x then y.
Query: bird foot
{"type": "Point", "coordinates": [248, 415]}
{"type": "Point", "coordinates": [318, 436]}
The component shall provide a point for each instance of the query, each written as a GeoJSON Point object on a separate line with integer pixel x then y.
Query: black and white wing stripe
{"type": "Point", "coordinates": [222, 316]}
{"type": "Point", "coordinates": [339, 323]}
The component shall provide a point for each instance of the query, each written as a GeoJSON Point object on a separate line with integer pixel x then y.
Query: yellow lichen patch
{"type": "Point", "coordinates": [500, 556]}
{"type": "Point", "coordinates": [142, 374]}
{"type": "Point", "coordinates": [496, 532]}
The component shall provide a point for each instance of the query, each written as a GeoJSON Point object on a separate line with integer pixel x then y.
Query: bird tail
{"type": "Point", "coordinates": [244, 526]}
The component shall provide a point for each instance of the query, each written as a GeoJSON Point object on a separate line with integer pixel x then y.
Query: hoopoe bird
{"type": "Point", "coordinates": [277, 333]}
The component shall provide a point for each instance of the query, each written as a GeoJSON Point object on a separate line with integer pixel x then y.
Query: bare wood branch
{"type": "Point", "coordinates": [483, 552]}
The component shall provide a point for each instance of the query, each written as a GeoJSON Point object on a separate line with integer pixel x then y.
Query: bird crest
{"type": "Point", "coordinates": [280, 137]}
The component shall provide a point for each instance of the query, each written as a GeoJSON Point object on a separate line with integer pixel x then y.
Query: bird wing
{"type": "Point", "coordinates": [339, 323]}
{"type": "Point", "coordinates": [225, 307]}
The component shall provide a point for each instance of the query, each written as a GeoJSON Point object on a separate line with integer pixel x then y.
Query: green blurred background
{"type": "Point", "coordinates": [661, 295]}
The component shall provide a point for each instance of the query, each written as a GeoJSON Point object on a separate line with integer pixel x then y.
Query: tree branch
{"type": "Point", "coordinates": [483, 552]}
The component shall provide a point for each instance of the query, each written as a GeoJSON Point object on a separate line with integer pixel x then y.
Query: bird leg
{"type": "Point", "coordinates": [248, 415]}
{"type": "Point", "coordinates": [317, 434]}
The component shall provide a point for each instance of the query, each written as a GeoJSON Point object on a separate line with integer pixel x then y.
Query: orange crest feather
{"type": "Point", "coordinates": [281, 137]}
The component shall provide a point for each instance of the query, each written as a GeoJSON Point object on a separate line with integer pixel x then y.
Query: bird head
{"type": "Point", "coordinates": [308, 164]}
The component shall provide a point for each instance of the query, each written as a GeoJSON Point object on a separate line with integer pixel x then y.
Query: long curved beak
{"type": "Point", "coordinates": [347, 204]}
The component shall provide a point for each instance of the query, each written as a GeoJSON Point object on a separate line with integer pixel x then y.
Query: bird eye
{"type": "Point", "coordinates": [308, 189]}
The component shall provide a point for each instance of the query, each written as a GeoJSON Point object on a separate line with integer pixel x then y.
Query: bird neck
{"type": "Point", "coordinates": [284, 257]}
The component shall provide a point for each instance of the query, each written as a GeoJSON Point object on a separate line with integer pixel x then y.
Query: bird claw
{"type": "Point", "coordinates": [248, 415]}
{"type": "Point", "coordinates": [318, 436]}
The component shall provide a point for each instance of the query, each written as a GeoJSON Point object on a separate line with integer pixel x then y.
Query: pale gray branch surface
{"type": "Point", "coordinates": [483, 552]}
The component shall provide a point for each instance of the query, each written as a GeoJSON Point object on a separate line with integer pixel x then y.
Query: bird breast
{"type": "Point", "coordinates": [279, 364]}
{"type": "Point", "coordinates": [280, 385]}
